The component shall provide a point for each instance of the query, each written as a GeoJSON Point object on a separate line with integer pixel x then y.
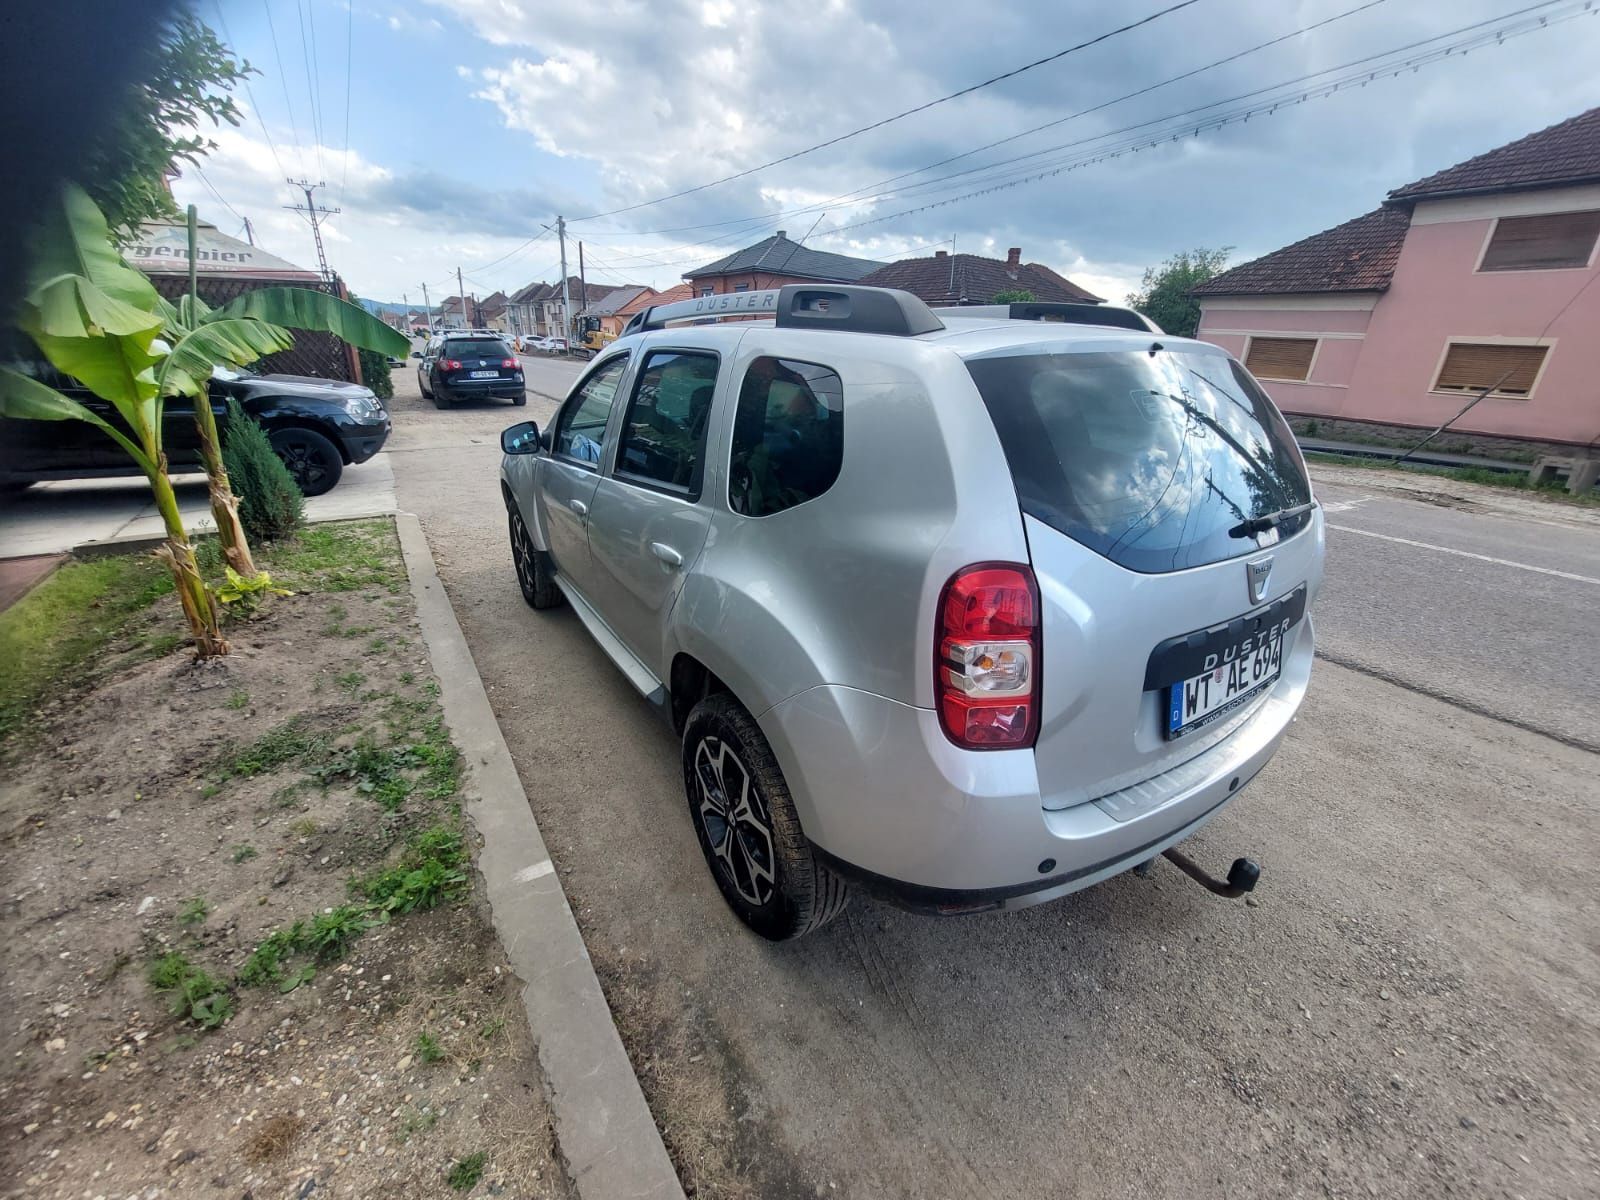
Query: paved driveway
{"type": "Point", "coordinates": [1411, 1007]}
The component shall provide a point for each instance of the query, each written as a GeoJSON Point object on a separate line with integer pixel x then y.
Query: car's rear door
{"type": "Point", "coordinates": [569, 473]}
{"type": "Point", "coordinates": [647, 523]}
{"type": "Point", "coordinates": [1168, 611]}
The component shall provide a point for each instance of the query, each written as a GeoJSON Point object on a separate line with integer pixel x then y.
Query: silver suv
{"type": "Point", "coordinates": [972, 608]}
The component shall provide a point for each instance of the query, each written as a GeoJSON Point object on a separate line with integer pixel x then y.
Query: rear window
{"type": "Point", "coordinates": [1150, 458]}
{"type": "Point", "coordinates": [476, 348]}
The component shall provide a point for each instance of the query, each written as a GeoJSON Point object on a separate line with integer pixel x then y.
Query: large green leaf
{"type": "Point", "coordinates": [302, 308]}
{"type": "Point", "coordinates": [72, 306]}
{"type": "Point", "coordinates": [26, 399]}
{"type": "Point", "coordinates": [185, 371]}
{"type": "Point", "coordinates": [118, 369]}
{"type": "Point", "coordinates": [73, 239]}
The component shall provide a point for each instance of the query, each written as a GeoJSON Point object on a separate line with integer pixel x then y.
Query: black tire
{"type": "Point", "coordinates": [422, 384]}
{"type": "Point", "coordinates": [312, 459]}
{"type": "Point", "coordinates": [535, 575]}
{"type": "Point", "coordinates": [756, 834]}
{"type": "Point", "coordinates": [440, 400]}
{"type": "Point", "coordinates": [520, 399]}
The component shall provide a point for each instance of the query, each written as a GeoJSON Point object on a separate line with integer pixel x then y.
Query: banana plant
{"type": "Point", "coordinates": [97, 319]}
{"type": "Point", "coordinates": [238, 333]}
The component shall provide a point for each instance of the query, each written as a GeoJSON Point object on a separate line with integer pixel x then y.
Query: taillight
{"type": "Point", "coordinates": [986, 665]}
{"type": "Point", "coordinates": [510, 364]}
{"type": "Point", "coordinates": [449, 364]}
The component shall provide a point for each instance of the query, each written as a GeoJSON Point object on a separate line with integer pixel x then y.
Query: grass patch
{"type": "Point", "coordinates": [417, 1120]}
{"type": "Point", "coordinates": [191, 991]}
{"type": "Point", "coordinates": [432, 870]}
{"type": "Point", "coordinates": [289, 743]}
{"type": "Point", "coordinates": [238, 699]}
{"type": "Point", "coordinates": [324, 937]}
{"type": "Point", "coordinates": [345, 556]}
{"type": "Point", "coordinates": [350, 681]}
{"type": "Point", "coordinates": [465, 1172]}
{"type": "Point", "coordinates": [195, 910]}
{"type": "Point", "coordinates": [244, 852]}
{"type": "Point", "coordinates": [427, 1048]}
{"type": "Point", "coordinates": [50, 637]}
{"type": "Point", "coordinates": [1517, 482]}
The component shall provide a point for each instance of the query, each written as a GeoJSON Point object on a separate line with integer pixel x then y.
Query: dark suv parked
{"type": "Point", "coordinates": [316, 426]}
{"type": "Point", "coordinates": [470, 366]}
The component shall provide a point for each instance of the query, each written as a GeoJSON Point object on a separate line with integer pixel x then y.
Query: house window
{"type": "Point", "coordinates": [1548, 241]}
{"type": "Point", "coordinates": [741, 287]}
{"type": "Point", "coordinates": [1476, 366]}
{"type": "Point", "coordinates": [1280, 357]}
{"type": "Point", "coordinates": [707, 291]}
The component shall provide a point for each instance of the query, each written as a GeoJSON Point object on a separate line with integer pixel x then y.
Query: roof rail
{"type": "Point", "coordinates": [1067, 313]}
{"type": "Point", "coordinates": [843, 307]}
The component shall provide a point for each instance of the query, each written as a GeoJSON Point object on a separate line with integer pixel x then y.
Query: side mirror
{"type": "Point", "coordinates": [521, 438]}
{"type": "Point", "coordinates": [416, 354]}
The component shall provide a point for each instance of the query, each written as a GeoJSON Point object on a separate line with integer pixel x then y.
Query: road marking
{"type": "Point", "coordinates": [538, 871]}
{"type": "Point", "coordinates": [1499, 562]}
{"type": "Point", "coordinates": [1338, 506]}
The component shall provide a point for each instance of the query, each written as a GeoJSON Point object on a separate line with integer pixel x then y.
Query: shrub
{"type": "Point", "coordinates": [270, 503]}
{"type": "Point", "coordinates": [375, 373]}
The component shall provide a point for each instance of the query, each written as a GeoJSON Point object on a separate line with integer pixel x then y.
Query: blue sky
{"type": "Point", "coordinates": [473, 122]}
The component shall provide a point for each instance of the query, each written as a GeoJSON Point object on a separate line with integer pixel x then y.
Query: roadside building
{"type": "Point", "coordinates": [650, 297]}
{"type": "Point", "coordinates": [605, 312]}
{"type": "Point", "coordinates": [946, 279]}
{"type": "Point", "coordinates": [1474, 279]}
{"type": "Point", "coordinates": [492, 313]}
{"type": "Point", "coordinates": [773, 262]}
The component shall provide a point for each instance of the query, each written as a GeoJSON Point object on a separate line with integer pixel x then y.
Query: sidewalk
{"type": "Point", "coordinates": [1425, 456]}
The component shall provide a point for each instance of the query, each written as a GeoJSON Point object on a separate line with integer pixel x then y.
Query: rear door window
{"type": "Point", "coordinates": [581, 427]}
{"type": "Point", "coordinates": [1153, 458]}
{"type": "Point", "coordinates": [664, 431]}
{"type": "Point", "coordinates": [788, 436]}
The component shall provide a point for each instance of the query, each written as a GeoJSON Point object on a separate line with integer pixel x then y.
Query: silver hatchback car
{"type": "Point", "coordinates": [971, 608]}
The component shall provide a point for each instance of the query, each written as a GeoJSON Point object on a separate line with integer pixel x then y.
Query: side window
{"type": "Point", "coordinates": [581, 427]}
{"type": "Point", "coordinates": [788, 436]}
{"type": "Point", "coordinates": [664, 432]}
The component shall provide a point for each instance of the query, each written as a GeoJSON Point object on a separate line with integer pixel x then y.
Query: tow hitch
{"type": "Point", "coordinates": [1242, 876]}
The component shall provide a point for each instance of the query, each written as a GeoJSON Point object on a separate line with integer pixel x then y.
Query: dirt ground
{"type": "Point", "coordinates": [159, 824]}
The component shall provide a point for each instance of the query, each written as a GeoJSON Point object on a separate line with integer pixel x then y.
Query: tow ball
{"type": "Point", "coordinates": [1242, 876]}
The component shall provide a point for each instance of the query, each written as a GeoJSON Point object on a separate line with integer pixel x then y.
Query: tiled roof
{"type": "Point", "coordinates": [1358, 256]}
{"type": "Point", "coordinates": [612, 301]}
{"type": "Point", "coordinates": [527, 295]}
{"type": "Point", "coordinates": [779, 256]}
{"type": "Point", "coordinates": [1563, 154]}
{"type": "Point", "coordinates": [648, 298]}
{"type": "Point", "coordinates": [970, 278]}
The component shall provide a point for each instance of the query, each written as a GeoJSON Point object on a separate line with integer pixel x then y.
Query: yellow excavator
{"type": "Point", "coordinates": [591, 338]}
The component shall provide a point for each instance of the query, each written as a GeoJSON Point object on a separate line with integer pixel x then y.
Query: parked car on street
{"type": "Point", "coordinates": [972, 608]}
{"type": "Point", "coordinates": [470, 366]}
{"type": "Point", "coordinates": [317, 426]}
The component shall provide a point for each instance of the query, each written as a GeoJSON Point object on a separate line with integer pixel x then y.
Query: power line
{"type": "Point", "coordinates": [844, 137]}
{"type": "Point", "coordinates": [283, 81]}
{"type": "Point", "coordinates": [255, 109]}
{"type": "Point", "coordinates": [214, 191]}
{"type": "Point", "coordinates": [349, 32]}
{"type": "Point", "coordinates": [1187, 128]}
{"type": "Point", "coordinates": [313, 90]}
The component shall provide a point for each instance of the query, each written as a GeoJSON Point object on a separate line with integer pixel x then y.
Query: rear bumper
{"type": "Point", "coordinates": [890, 802]}
{"type": "Point", "coordinates": [483, 389]}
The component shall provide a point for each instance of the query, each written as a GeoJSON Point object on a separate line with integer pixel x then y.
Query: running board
{"type": "Point", "coordinates": [627, 662]}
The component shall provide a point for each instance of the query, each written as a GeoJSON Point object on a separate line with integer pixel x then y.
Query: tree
{"type": "Point", "coordinates": [185, 83]}
{"type": "Point", "coordinates": [1164, 292]}
{"type": "Point", "coordinates": [1014, 296]}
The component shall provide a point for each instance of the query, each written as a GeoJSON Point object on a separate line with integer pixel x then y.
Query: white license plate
{"type": "Point", "coordinates": [484, 375]}
{"type": "Point", "coordinates": [1201, 699]}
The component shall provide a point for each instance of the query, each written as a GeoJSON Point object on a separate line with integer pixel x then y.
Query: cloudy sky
{"type": "Point", "coordinates": [471, 123]}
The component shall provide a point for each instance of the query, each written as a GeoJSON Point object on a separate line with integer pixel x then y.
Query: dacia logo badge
{"type": "Point", "coordinates": [1257, 572]}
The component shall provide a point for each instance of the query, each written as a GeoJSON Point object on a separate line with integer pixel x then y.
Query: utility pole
{"type": "Point", "coordinates": [566, 296]}
{"type": "Point", "coordinates": [427, 308]}
{"type": "Point", "coordinates": [314, 214]}
{"type": "Point", "coordinates": [583, 281]}
{"type": "Point", "coordinates": [405, 312]}
{"type": "Point", "coordinates": [249, 231]}
{"type": "Point", "coordinates": [461, 290]}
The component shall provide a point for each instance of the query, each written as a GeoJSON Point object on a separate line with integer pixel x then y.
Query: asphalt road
{"type": "Point", "coordinates": [1412, 1007]}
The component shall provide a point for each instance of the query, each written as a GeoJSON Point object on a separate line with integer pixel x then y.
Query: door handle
{"type": "Point", "coordinates": [579, 507]}
{"type": "Point", "coordinates": [666, 554]}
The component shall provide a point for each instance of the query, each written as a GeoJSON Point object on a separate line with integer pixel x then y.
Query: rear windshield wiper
{"type": "Point", "coordinates": [1255, 525]}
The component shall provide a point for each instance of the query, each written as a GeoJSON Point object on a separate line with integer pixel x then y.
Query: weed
{"type": "Point", "coordinates": [331, 932]}
{"type": "Point", "coordinates": [350, 681]}
{"type": "Point", "coordinates": [243, 853]}
{"type": "Point", "coordinates": [273, 1137]}
{"type": "Point", "coordinates": [377, 772]}
{"type": "Point", "coordinates": [414, 1121]}
{"type": "Point", "coordinates": [377, 646]}
{"type": "Point", "coordinates": [431, 871]}
{"type": "Point", "coordinates": [465, 1172]}
{"type": "Point", "coordinates": [237, 699]}
{"type": "Point", "coordinates": [159, 645]}
{"type": "Point", "coordinates": [288, 743]}
{"type": "Point", "coordinates": [195, 910]}
{"type": "Point", "coordinates": [407, 677]}
{"type": "Point", "coordinates": [492, 1028]}
{"type": "Point", "coordinates": [427, 1048]}
{"type": "Point", "coordinates": [265, 964]}
{"type": "Point", "coordinates": [304, 827]}
{"type": "Point", "coordinates": [191, 991]}
{"type": "Point", "coordinates": [209, 790]}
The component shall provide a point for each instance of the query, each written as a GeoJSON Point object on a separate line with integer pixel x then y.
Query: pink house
{"type": "Point", "coordinates": [1478, 277]}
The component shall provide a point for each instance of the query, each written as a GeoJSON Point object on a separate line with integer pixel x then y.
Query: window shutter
{"type": "Point", "coordinates": [1543, 242]}
{"type": "Point", "coordinates": [1469, 367]}
{"type": "Point", "coordinates": [1281, 358]}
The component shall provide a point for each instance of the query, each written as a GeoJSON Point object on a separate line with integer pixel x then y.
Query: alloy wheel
{"type": "Point", "coordinates": [522, 553]}
{"type": "Point", "coordinates": [305, 462]}
{"type": "Point", "coordinates": [735, 821]}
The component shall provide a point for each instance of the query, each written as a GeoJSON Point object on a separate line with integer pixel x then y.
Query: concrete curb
{"type": "Point", "coordinates": [603, 1126]}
